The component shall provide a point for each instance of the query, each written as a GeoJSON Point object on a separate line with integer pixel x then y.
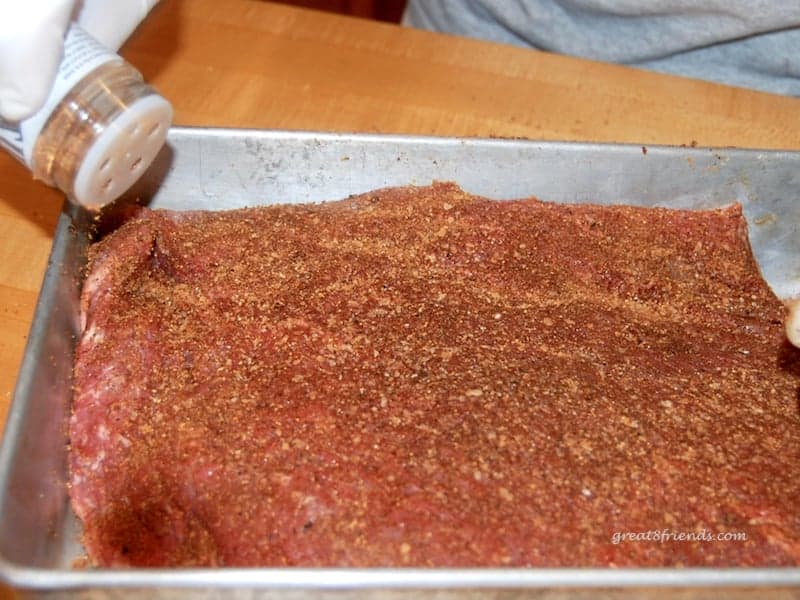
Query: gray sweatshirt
{"type": "Point", "coordinates": [746, 43]}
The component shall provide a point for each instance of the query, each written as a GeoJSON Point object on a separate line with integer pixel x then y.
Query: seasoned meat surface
{"type": "Point", "coordinates": [419, 376]}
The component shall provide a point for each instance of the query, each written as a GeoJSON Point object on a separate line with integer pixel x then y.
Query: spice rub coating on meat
{"type": "Point", "coordinates": [419, 376]}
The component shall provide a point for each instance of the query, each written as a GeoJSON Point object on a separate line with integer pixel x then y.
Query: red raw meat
{"type": "Point", "coordinates": [419, 376]}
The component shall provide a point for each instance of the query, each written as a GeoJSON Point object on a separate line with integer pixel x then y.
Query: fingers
{"type": "Point", "coordinates": [112, 26]}
{"type": "Point", "coordinates": [31, 43]}
{"type": "Point", "coordinates": [793, 322]}
{"type": "Point", "coordinates": [31, 46]}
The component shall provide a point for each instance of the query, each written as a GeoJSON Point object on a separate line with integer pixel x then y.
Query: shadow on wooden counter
{"type": "Point", "coordinates": [379, 10]}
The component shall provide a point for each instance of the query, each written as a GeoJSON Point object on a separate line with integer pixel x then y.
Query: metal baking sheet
{"type": "Point", "coordinates": [223, 168]}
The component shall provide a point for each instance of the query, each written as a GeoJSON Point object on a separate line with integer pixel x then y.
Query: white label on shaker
{"type": "Point", "coordinates": [82, 54]}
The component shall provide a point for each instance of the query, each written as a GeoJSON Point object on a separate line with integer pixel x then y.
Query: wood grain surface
{"type": "Point", "coordinates": [246, 63]}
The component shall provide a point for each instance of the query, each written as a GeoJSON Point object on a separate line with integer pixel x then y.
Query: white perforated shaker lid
{"type": "Point", "coordinates": [122, 152]}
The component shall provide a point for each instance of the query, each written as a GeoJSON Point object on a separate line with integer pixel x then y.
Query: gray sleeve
{"type": "Point", "coordinates": [747, 43]}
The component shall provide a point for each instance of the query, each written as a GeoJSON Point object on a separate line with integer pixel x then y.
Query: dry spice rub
{"type": "Point", "coordinates": [418, 376]}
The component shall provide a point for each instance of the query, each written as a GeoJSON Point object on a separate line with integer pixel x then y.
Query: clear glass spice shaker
{"type": "Point", "coordinates": [99, 129]}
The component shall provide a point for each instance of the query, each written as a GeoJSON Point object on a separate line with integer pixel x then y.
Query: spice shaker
{"type": "Point", "coordinates": [99, 129]}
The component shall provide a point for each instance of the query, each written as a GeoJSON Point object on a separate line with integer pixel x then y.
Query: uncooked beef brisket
{"type": "Point", "coordinates": [419, 376]}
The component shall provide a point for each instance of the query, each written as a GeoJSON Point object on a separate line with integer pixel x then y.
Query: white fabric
{"type": "Point", "coordinates": [31, 43]}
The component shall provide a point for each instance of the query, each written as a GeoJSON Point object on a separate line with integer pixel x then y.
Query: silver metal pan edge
{"type": "Point", "coordinates": [223, 168]}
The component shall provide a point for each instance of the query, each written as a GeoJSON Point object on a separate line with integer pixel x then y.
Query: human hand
{"type": "Point", "coordinates": [32, 39]}
{"type": "Point", "coordinates": [793, 322]}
